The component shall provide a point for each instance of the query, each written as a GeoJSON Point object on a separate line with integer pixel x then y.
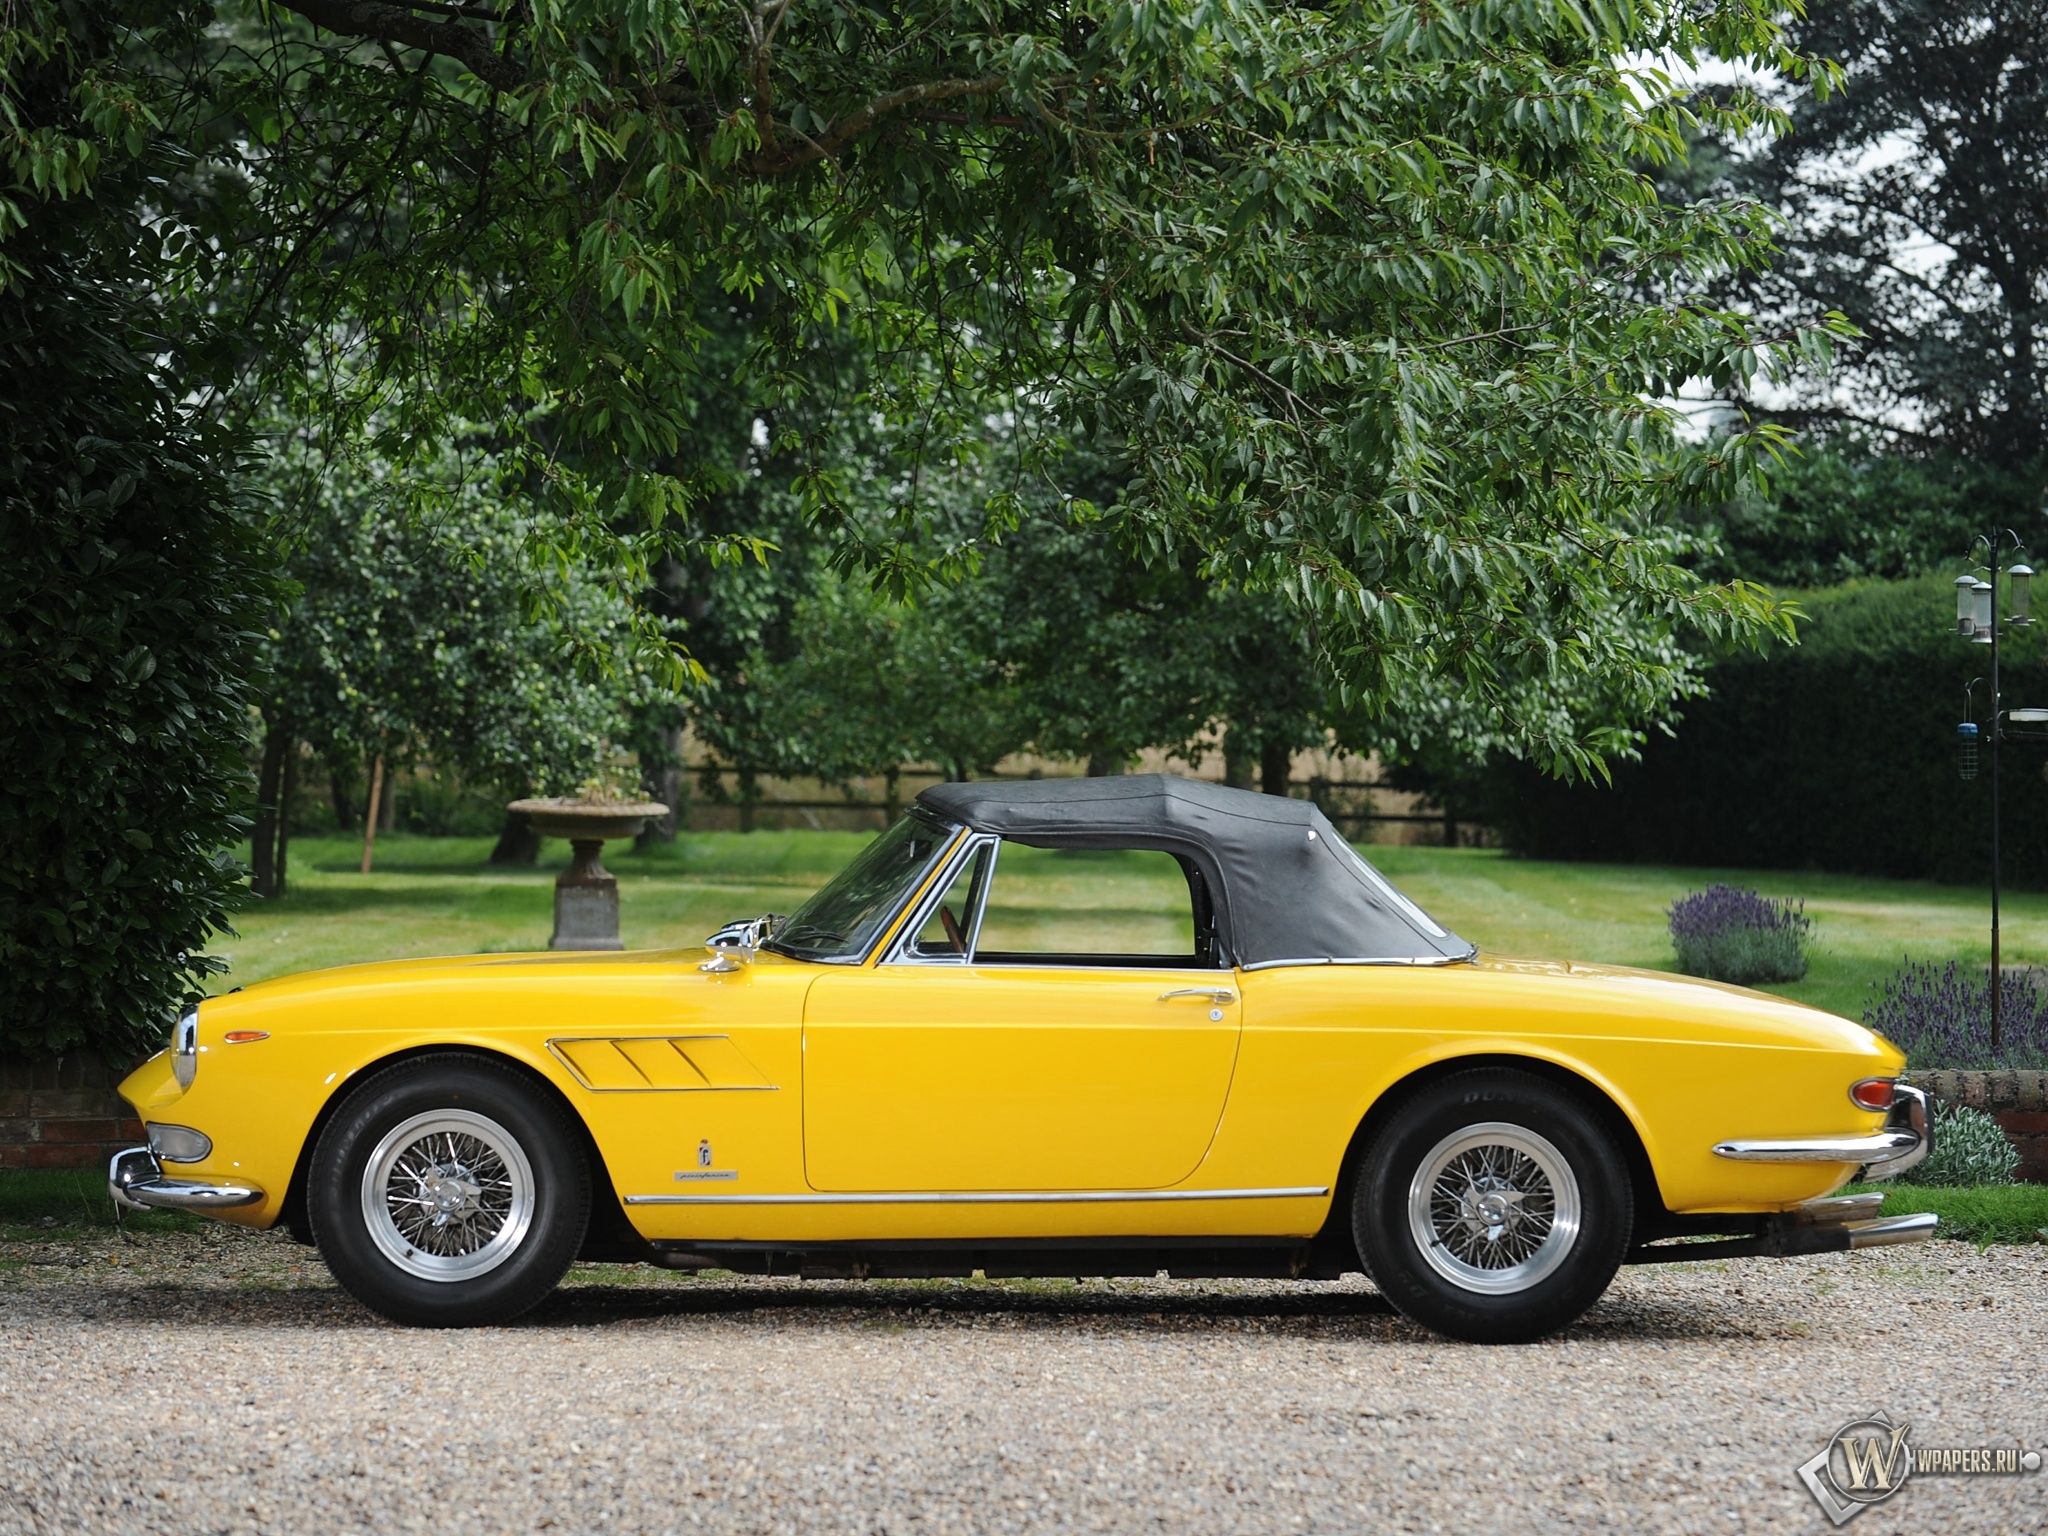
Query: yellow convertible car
{"type": "Point", "coordinates": [1278, 1067]}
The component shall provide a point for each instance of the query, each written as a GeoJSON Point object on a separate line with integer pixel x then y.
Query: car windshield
{"type": "Point", "coordinates": [843, 920]}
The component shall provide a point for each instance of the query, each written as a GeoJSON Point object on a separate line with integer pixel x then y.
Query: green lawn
{"type": "Point", "coordinates": [1997, 1213]}
{"type": "Point", "coordinates": [438, 896]}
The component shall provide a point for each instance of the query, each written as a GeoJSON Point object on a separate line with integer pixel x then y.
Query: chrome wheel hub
{"type": "Point", "coordinates": [448, 1195]}
{"type": "Point", "coordinates": [1494, 1208]}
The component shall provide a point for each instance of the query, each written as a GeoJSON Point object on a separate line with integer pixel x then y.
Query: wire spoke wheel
{"type": "Point", "coordinates": [1494, 1208]}
{"type": "Point", "coordinates": [448, 1195]}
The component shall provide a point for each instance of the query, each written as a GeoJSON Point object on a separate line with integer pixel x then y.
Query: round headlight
{"type": "Point", "coordinates": [185, 1048]}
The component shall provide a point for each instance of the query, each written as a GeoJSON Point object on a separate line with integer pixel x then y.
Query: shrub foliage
{"type": "Point", "coordinates": [1727, 934]}
{"type": "Point", "coordinates": [130, 592]}
{"type": "Point", "coordinates": [1969, 1150]}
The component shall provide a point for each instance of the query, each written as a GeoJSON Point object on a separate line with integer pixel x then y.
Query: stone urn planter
{"type": "Point", "coordinates": [586, 895]}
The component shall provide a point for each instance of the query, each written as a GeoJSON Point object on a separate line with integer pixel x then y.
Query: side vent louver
{"type": "Point", "coordinates": [658, 1064]}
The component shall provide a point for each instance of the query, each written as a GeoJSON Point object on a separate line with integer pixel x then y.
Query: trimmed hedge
{"type": "Point", "coordinates": [132, 593]}
{"type": "Point", "coordinates": [1837, 754]}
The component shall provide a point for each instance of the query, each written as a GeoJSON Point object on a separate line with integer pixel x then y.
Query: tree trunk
{"type": "Point", "coordinates": [287, 791]}
{"type": "Point", "coordinates": [370, 811]}
{"type": "Point", "coordinates": [1237, 763]}
{"type": "Point", "coordinates": [518, 843]}
{"type": "Point", "coordinates": [263, 837]}
{"type": "Point", "coordinates": [665, 785]}
{"type": "Point", "coordinates": [1104, 765]}
{"type": "Point", "coordinates": [387, 806]}
{"type": "Point", "coordinates": [1276, 767]}
{"type": "Point", "coordinates": [339, 777]}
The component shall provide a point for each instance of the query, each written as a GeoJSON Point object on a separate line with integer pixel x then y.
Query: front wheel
{"type": "Point", "coordinates": [1493, 1207]}
{"type": "Point", "coordinates": [448, 1192]}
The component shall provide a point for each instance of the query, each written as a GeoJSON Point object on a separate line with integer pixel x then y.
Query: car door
{"type": "Point", "coordinates": [1045, 1025]}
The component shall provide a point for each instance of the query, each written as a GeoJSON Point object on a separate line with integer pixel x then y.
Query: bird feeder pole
{"type": "Point", "coordinates": [1977, 619]}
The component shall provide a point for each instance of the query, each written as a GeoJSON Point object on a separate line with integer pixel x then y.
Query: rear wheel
{"type": "Point", "coordinates": [448, 1192]}
{"type": "Point", "coordinates": [1493, 1207]}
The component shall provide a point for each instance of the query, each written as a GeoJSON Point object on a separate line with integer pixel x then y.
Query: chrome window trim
{"type": "Point", "coordinates": [901, 947]}
{"type": "Point", "coordinates": [996, 1197]}
{"type": "Point", "coordinates": [1426, 962]}
{"type": "Point", "coordinates": [899, 950]}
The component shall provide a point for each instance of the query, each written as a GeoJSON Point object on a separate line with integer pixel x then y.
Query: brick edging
{"type": "Point", "coordinates": [64, 1113]}
{"type": "Point", "coordinates": [2017, 1100]}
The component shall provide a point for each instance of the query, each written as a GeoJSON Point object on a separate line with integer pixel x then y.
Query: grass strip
{"type": "Point", "coordinates": [34, 1200]}
{"type": "Point", "coordinates": [1989, 1213]}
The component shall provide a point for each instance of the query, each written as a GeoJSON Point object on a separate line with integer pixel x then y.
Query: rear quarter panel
{"type": "Point", "coordinates": [1688, 1063]}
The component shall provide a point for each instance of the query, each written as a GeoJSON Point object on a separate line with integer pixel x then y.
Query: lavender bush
{"type": "Point", "coordinates": [1940, 1016]}
{"type": "Point", "coordinates": [1727, 934]}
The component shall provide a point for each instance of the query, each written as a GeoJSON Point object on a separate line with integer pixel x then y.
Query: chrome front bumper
{"type": "Point", "coordinates": [1904, 1142]}
{"type": "Point", "coordinates": [136, 1181]}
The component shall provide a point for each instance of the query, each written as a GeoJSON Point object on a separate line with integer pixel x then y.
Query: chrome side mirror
{"type": "Point", "coordinates": [735, 945]}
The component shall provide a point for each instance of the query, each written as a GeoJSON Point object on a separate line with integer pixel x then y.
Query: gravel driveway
{"type": "Point", "coordinates": [219, 1382]}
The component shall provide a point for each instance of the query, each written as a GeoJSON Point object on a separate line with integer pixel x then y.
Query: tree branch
{"type": "Point", "coordinates": [468, 46]}
{"type": "Point", "coordinates": [858, 122]}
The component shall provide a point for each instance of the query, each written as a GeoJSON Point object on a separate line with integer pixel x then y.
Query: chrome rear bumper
{"type": "Point", "coordinates": [1905, 1141]}
{"type": "Point", "coordinates": [136, 1181]}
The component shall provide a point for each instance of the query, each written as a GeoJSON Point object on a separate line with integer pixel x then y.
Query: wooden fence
{"type": "Point", "coordinates": [1349, 803]}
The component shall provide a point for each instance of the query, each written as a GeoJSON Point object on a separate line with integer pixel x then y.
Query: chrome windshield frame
{"type": "Point", "coordinates": [914, 890]}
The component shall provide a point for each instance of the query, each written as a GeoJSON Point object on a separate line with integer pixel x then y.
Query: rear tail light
{"type": "Point", "coordinates": [1874, 1092]}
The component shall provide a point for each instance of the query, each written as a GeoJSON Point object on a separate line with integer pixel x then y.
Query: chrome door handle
{"type": "Point", "coordinates": [1216, 995]}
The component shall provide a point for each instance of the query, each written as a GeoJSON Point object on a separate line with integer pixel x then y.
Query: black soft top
{"type": "Point", "coordinates": [1288, 889]}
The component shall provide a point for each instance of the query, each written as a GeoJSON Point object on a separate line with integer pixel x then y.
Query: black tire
{"type": "Point", "coordinates": [1558, 1232]}
{"type": "Point", "coordinates": [464, 1129]}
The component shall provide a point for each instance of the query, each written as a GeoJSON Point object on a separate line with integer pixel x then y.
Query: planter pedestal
{"type": "Point", "coordinates": [586, 895]}
{"type": "Point", "coordinates": [586, 902]}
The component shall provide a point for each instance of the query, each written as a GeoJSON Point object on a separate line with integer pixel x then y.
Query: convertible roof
{"type": "Point", "coordinates": [1289, 889]}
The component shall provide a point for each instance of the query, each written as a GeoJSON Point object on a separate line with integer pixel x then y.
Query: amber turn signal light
{"type": "Point", "coordinates": [1871, 1093]}
{"type": "Point", "coordinates": [251, 1036]}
